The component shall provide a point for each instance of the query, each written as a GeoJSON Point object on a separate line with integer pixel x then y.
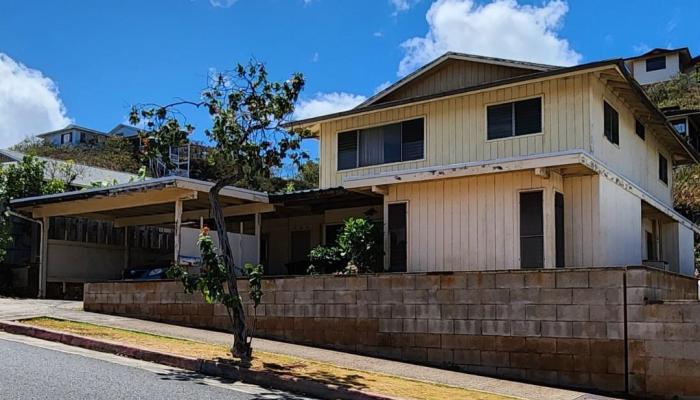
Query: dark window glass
{"type": "Point", "coordinates": [514, 119]}
{"type": "Point", "coordinates": [392, 143]}
{"type": "Point", "coordinates": [381, 144]}
{"type": "Point", "coordinates": [663, 169]}
{"type": "Point", "coordinates": [412, 133]}
{"type": "Point", "coordinates": [531, 230]}
{"type": "Point", "coordinates": [332, 233]}
{"type": "Point", "coordinates": [611, 124]}
{"type": "Point", "coordinates": [528, 116]}
{"type": "Point", "coordinates": [651, 246]}
{"type": "Point", "coordinates": [639, 129]}
{"type": "Point", "coordinates": [500, 121]}
{"type": "Point", "coordinates": [397, 237]}
{"type": "Point", "coordinates": [559, 228]}
{"type": "Point", "coordinates": [656, 63]}
{"type": "Point", "coordinates": [347, 150]}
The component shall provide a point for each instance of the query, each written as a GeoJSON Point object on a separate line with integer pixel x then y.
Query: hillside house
{"type": "Point", "coordinates": [659, 65]}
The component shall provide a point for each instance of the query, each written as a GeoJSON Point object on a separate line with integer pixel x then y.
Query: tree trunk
{"type": "Point", "coordinates": [241, 348]}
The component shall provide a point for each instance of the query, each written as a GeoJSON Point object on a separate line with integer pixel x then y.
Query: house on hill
{"type": "Point", "coordinates": [659, 65]}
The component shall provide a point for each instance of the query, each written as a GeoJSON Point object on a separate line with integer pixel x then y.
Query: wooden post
{"type": "Point", "coordinates": [44, 261]}
{"type": "Point", "coordinates": [178, 223]}
{"type": "Point", "coordinates": [126, 248]}
{"type": "Point", "coordinates": [258, 228]}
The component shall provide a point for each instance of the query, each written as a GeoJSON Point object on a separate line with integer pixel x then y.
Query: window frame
{"type": "Point", "coordinates": [609, 140]}
{"type": "Point", "coordinates": [543, 191]}
{"type": "Point", "coordinates": [663, 178]}
{"type": "Point", "coordinates": [646, 63]}
{"type": "Point", "coordinates": [369, 126]}
{"type": "Point", "coordinates": [541, 96]}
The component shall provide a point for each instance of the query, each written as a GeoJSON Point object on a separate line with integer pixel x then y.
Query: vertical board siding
{"type": "Point", "coordinates": [454, 74]}
{"type": "Point", "coordinates": [456, 132]}
{"type": "Point", "coordinates": [470, 223]}
{"type": "Point", "coordinates": [581, 221]}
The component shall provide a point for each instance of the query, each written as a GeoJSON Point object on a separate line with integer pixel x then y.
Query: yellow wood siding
{"type": "Point", "coordinates": [454, 74]}
{"type": "Point", "coordinates": [635, 159]}
{"type": "Point", "coordinates": [471, 223]}
{"type": "Point", "coordinates": [456, 132]}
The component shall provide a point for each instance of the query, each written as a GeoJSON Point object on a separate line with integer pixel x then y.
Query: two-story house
{"type": "Point", "coordinates": [470, 163]}
{"type": "Point", "coordinates": [494, 164]}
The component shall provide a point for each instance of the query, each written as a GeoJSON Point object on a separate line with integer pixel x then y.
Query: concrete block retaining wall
{"type": "Point", "coordinates": [564, 327]}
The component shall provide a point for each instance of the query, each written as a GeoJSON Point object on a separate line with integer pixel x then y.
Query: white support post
{"type": "Point", "coordinates": [178, 223]}
{"type": "Point", "coordinates": [44, 257]}
{"type": "Point", "coordinates": [258, 228]}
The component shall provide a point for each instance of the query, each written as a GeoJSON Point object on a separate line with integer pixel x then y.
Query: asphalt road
{"type": "Point", "coordinates": [36, 369]}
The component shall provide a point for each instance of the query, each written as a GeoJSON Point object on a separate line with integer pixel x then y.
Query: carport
{"type": "Point", "coordinates": [168, 201]}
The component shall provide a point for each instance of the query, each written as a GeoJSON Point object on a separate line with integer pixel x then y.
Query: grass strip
{"type": "Point", "coordinates": [262, 361]}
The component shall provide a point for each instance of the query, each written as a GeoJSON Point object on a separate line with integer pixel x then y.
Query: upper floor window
{"type": "Point", "coordinates": [680, 126]}
{"type": "Point", "coordinates": [384, 144]}
{"type": "Point", "coordinates": [611, 123]}
{"type": "Point", "coordinates": [66, 138]}
{"type": "Point", "coordinates": [516, 118]}
{"type": "Point", "coordinates": [639, 129]}
{"type": "Point", "coordinates": [656, 63]}
{"type": "Point", "coordinates": [663, 169]}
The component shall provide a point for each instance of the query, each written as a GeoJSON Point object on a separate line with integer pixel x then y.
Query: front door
{"type": "Point", "coordinates": [531, 230]}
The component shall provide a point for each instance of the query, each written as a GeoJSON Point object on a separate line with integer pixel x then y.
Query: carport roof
{"type": "Point", "coordinates": [149, 201]}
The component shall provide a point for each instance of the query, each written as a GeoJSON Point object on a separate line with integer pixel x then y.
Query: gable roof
{"type": "Point", "coordinates": [615, 70]}
{"type": "Point", "coordinates": [422, 71]}
{"type": "Point", "coordinates": [70, 128]}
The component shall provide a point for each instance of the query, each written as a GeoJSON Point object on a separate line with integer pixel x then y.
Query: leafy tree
{"type": "Point", "coordinates": [682, 91]}
{"type": "Point", "coordinates": [115, 153]}
{"type": "Point", "coordinates": [23, 179]}
{"type": "Point", "coordinates": [248, 113]}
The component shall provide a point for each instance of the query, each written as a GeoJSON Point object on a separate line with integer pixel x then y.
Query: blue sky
{"type": "Point", "coordinates": [88, 61]}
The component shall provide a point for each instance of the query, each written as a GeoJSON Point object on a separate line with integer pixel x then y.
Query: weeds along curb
{"type": "Point", "coordinates": [205, 367]}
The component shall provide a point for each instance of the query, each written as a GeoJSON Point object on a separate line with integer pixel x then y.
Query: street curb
{"type": "Point", "coordinates": [205, 367]}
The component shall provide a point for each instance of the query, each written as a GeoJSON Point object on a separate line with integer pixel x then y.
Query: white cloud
{"type": "Point", "coordinates": [327, 103]}
{"type": "Point", "coordinates": [502, 28]}
{"type": "Point", "coordinates": [378, 34]}
{"type": "Point", "coordinates": [222, 3]}
{"type": "Point", "coordinates": [315, 57]}
{"type": "Point", "coordinates": [29, 103]}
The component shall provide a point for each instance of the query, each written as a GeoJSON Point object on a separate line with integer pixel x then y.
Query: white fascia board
{"type": "Point", "coordinates": [466, 169]}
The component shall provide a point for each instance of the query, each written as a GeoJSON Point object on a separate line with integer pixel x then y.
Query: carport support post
{"type": "Point", "coordinates": [44, 255]}
{"type": "Point", "coordinates": [178, 222]}
{"type": "Point", "coordinates": [258, 223]}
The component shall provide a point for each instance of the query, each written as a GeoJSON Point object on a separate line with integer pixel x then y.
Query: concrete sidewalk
{"type": "Point", "coordinates": [13, 309]}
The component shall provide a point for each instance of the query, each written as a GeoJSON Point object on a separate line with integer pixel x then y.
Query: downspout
{"type": "Point", "coordinates": [41, 246]}
{"type": "Point", "coordinates": [624, 331]}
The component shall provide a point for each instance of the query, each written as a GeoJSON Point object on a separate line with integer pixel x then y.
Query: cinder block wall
{"type": "Point", "coordinates": [564, 327]}
{"type": "Point", "coordinates": [561, 327]}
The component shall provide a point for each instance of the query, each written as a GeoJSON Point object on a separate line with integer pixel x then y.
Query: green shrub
{"type": "Point", "coordinates": [326, 260]}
